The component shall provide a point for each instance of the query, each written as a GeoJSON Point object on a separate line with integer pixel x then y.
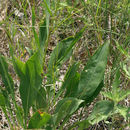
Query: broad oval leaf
{"type": "Point", "coordinates": [93, 73]}
{"type": "Point", "coordinates": [30, 79]}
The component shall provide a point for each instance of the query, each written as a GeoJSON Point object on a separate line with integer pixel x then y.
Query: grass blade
{"type": "Point", "coordinates": [42, 34]}
{"type": "Point", "coordinates": [6, 78]}
{"type": "Point", "coordinates": [33, 27]}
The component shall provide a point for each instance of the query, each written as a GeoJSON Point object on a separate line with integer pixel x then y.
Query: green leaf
{"type": "Point", "coordinates": [118, 96]}
{"type": "Point", "coordinates": [30, 79]}
{"type": "Point", "coordinates": [39, 120]}
{"type": "Point", "coordinates": [30, 51]}
{"type": "Point", "coordinates": [121, 49]}
{"type": "Point", "coordinates": [72, 85]}
{"type": "Point", "coordinates": [19, 67]}
{"type": "Point", "coordinates": [124, 111]}
{"type": "Point", "coordinates": [65, 108]}
{"type": "Point", "coordinates": [123, 94]}
{"type": "Point", "coordinates": [2, 100]}
{"type": "Point", "coordinates": [42, 35]}
{"type": "Point", "coordinates": [97, 91]}
{"type": "Point", "coordinates": [93, 73]}
{"type": "Point", "coordinates": [108, 95]}
{"type": "Point", "coordinates": [33, 27]}
{"type": "Point", "coordinates": [101, 111]}
{"type": "Point", "coordinates": [44, 27]}
{"type": "Point", "coordinates": [116, 81]}
{"type": "Point", "coordinates": [41, 100]}
{"type": "Point", "coordinates": [48, 12]}
{"type": "Point", "coordinates": [61, 53]}
{"type": "Point", "coordinates": [75, 40]}
{"type": "Point", "coordinates": [47, 4]}
{"type": "Point", "coordinates": [6, 78]}
{"type": "Point", "coordinates": [57, 53]}
{"type": "Point", "coordinates": [71, 81]}
{"type": "Point", "coordinates": [126, 67]}
{"type": "Point", "coordinates": [6, 98]}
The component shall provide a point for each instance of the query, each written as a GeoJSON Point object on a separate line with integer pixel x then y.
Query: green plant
{"type": "Point", "coordinates": [43, 106]}
{"type": "Point", "coordinates": [117, 95]}
{"type": "Point", "coordinates": [30, 80]}
{"type": "Point", "coordinates": [79, 90]}
{"type": "Point", "coordinates": [107, 108]}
